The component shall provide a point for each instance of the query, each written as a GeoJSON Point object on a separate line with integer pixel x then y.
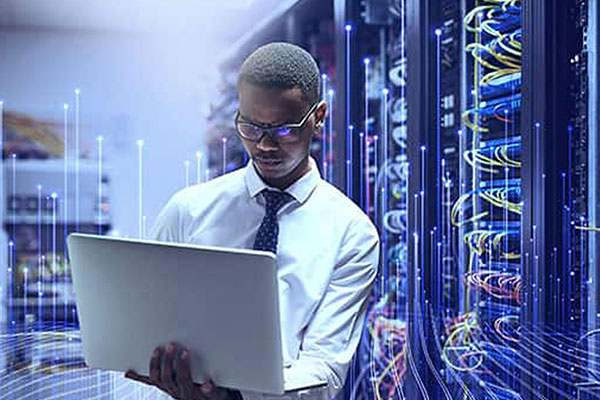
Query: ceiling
{"type": "Point", "coordinates": [223, 19]}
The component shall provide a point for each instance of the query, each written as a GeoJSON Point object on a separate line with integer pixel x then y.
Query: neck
{"type": "Point", "coordinates": [286, 181]}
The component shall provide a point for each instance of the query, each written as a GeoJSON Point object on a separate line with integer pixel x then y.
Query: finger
{"type": "Point", "coordinates": [183, 376]}
{"type": "Point", "coordinates": [155, 361]}
{"type": "Point", "coordinates": [166, 375]}
{"type": "Point", "coordinates": [139, 378]}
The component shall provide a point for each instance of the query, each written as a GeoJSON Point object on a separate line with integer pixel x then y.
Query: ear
{"type": "Point", "coordinates": [320, 114]}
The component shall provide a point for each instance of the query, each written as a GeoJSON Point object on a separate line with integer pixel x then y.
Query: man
{"type": "Point", "coordinates": [327, 249]}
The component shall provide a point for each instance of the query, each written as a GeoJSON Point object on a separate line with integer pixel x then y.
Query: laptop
{"type": "Point", "coordinates": [220, 303]}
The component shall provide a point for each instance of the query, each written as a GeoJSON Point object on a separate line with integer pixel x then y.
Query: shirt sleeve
{"type": "Point", "coordinates": [332, 335]}
{"type": "Point", "coordinates": [168, 226]}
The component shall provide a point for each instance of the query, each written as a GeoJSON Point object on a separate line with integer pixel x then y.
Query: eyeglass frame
{"type": "Point", "coordinates": [270, 130]}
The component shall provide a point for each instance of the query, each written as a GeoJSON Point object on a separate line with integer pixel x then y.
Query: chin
{"type": "Point", "coordinates": [282, 171]}
{"type": "Point", "coordinates": [272, 174]}
{"type": "Point", "coordinates": [272, 169]}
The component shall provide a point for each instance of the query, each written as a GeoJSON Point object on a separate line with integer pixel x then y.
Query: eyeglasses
{"type": "Point", "coordinates": [288, 133]}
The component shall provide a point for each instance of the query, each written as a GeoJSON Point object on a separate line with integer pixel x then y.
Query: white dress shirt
{"type": "Point", "coordinates": [327, 258]}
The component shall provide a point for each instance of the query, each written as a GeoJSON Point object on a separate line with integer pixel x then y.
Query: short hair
{"type": "Point", "coordinates": [283, 66]}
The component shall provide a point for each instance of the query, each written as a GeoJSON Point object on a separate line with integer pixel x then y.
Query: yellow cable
{"type": "Point", "coordinates": [490, 76]}
{"type": "Point", "coordinates": [455, 209]}
{"type": "Point", "coordinates": [508, 61]}
{"type": "Point", "coordinates": [466, 119]}
{"type": "Point", "coordinates": [471, 15]}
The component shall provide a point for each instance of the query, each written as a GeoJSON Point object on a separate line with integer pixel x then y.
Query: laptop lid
{"type": "Point", "coordinates": [221, 304]}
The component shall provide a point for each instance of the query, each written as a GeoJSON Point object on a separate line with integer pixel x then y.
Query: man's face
{"type": "Point", "coordinates": [279, 164]}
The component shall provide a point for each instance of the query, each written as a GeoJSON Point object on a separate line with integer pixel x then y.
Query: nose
{"type": "Point", "coordinates": [266, 143]}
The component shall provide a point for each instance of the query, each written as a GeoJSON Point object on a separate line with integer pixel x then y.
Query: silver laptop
{"type": "Point", "coordinates": [221, 304]}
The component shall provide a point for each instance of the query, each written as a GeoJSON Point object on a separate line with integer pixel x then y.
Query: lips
{"type": "Point", "coordinates": [268, 162]}
{"type": "Point", "coordinates": [267, 159]}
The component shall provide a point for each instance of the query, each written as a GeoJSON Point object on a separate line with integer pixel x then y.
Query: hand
{"type": "Point", "coordinates": [170, 372]}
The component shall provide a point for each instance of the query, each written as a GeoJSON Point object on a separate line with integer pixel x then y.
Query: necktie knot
{"type": "Point", "coordinates": [275, 200]}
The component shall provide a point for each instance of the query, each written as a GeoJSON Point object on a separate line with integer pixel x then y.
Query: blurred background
{"type": "Point", "coordinates": [145, 69]}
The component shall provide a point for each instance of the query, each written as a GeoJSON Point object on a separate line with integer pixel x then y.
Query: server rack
{"type": "Point", "coordinates": [467, 130]}
{"type": "Point", "coordinates": [560, 213]}
{"type": "Point", "coordinates": [502, 138]}
{"type": "Point", "coordinates": [374, 53]}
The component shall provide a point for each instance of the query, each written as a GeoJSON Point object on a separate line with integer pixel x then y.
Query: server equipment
{"type": "Point", "coordinates": [502, 144]}
{"type": "Point", "coordinates": [38, 214]}
{"type": "Point", "coordinates": [468, 131]}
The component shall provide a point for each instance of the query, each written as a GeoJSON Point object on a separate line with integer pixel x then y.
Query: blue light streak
{"type": "Point", "coordinates": [438, 122]}
{"type": "Point", "coordinates": [385, 156]}
{"type": "Point", "coordinates": [11, 266]}
{"type": "Point", "coordinates": [13, 194]}
{"type": "Point", "coordinates": [198, 171]}
{"type": "Point", "coordinates": [76, 156]}
{"type": "Point", "coordinates": [422, 196]}
{"type": "Point", "coordinates": [375, 178]}
{"type": "Point", "coordinates": [367, 183]}
{"type": "Point", "coordinates": [324, 80]}
{"type": "Point", "coordinates": [361, 169]}
{"type": "Point", "coordinates": [99, 139]}
{"type": "Point", "coordinates": [330, 147]}
{"type": "Point", "coordinates": [25, 272]}
{"type": "Point", "coordinates": [39, 255]}
{"type": "Point", "coordinates": [140, 145]}
{"type": "Point", "coordinates": [186, 165]}
{"type": "Point", "coordinates": [66, 184]}
{"type": "Point", "coordinates": [366, 62]}
{"type": "Point", "coordinates": [224, 140]}
{"type": "Point", "coordinates": [54, 196]}
{"type": "Point", "coordinates": [350, 136]}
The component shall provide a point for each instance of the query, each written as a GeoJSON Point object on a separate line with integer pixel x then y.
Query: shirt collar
{"type": "Point", "coordinates": [300, 190]}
